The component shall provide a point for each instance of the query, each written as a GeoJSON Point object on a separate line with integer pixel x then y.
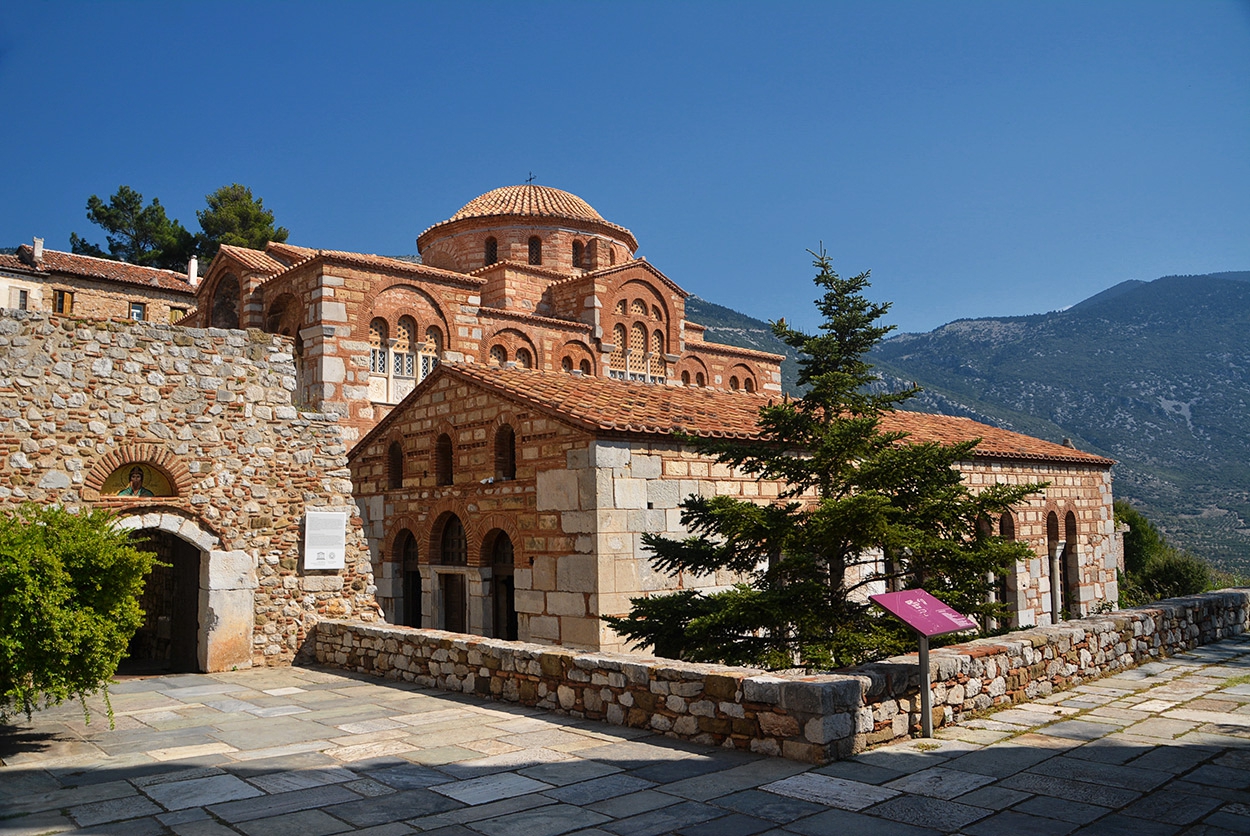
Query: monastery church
{"type": "Point", "coordinates": [495, 424]}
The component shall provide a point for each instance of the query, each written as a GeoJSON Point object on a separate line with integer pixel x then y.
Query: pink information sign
{"type": "Point", "coordinates": [922, 612]}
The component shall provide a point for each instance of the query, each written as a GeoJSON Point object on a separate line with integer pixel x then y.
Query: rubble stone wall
{"type": "Point", "coordinates": [807, 718]}
{"type": "Point", "coordinates": [211, 412]}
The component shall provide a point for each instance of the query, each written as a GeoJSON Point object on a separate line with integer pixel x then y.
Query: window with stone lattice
{"type": "Point", "coordinates": [404, 351]}
{"type": "Point", "coordinates": [379, 336]}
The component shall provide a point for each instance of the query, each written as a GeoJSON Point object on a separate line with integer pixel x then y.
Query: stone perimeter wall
{"type": "Point", "coordinates": [807, 718]}
{"type": "Point", "coordinates": [212, 410]}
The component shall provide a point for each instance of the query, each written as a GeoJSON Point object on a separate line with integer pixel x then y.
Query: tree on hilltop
{"type": "Point", "coordinates": [136, 234]}
{"type": "Point", "coordinates": [235, 217]}
{"type": "Point", "coordinates": [144, 235]}
{"type": "Point", "coordinates": [860, 506]}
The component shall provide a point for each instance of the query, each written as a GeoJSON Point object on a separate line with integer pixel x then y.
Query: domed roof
{"type": "Point", "coordinates": [540, 201]}
{"type": "Point", "coordinates": [529, 201]}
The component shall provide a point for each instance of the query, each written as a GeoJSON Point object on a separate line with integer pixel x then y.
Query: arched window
{"type": "Point", "coordinates": [1054, 564]}
{"type": "Point", "coordinates": [505, 452]}
{"type": "Point", "coordinates": [1069, 568]}
{"type": "Point", "coordinates": [637, 352]}
{"type": "Point", "coordinates": [394, 466]}
{"type": "Point", "coordinates": [410, 605]}
{"type": "Point", "coordinates": [658, 367]}
{"type": "Point", "coordinates": [616, 362]}
{"type": "Point", "coordinates": [524, 359]}
{"type": "Point", "coordinates": [490, 252]}
{"type": "Point", "coordinates": [685, 378]}
{"type": "Point", "coordinates": [225, 306]}
{"type": "Point", "coordinates": [749, 384]}
{"type": "Point", "coordinates": [733, 383]}
{"type": "Point", "coordinates": [578, 249]}
{"type": "Point", "coordinates": [498, 355]}
{"type": "Point", "coordinates": [1007, 527]}
{"type": "Point", "coordinates": [503, 591]}
{"type": "Point", "coordinates": [699, 379]}
{"type": "Point", "coordinates": [638, 307]}
{"type": "Point", "coordinates": [432, 350]}
{"type": "Point", "coordinates": [620, 308]}
{"type": "Point", "coordinates": [454, 550]}
{"type": "Point", "coordinates": [443, 460]}
{"type": "Point", "coordinates": [655, 313]}
{"type": "Point", "coordinates": [379, 339]}
{"type": "Point", "coordinates": [584, 367]}
{"type": "Point", "coordinates": [566, 363]}
{"type": "Point", "coordinates": [536, 250]}
{"type": "Point", "coordinates": [404, 352]}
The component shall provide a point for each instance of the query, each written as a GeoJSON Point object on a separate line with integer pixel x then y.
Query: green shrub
{"type": "Point", "coordinates": [69, 587]}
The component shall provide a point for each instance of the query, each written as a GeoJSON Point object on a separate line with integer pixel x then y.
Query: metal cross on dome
{"type": "Point", "coordinates": [530, 179]}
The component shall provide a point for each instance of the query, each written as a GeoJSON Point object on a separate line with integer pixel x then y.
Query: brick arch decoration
{"type": "Point", "coordinates": [506, 524]}
{"type": "Point", "coordinates": [396, 526]}
{"type": "Point", "coordinates": [424, 308]}
{"type": "Point", "coordinates": [152, 455]}
{"type": "Point", "coordinates": [511, 339]}
{"type": "Point", "coordinates": [694, 366]}
{"type": "Point", "coordinates": [743, 372]}
{"type": "Point", "coordinates": [577, 351]}
{"type": "Point", "coordinates": [432, 535]}
{"type": "Point", "coordinates": [231, 284]}
{"type": "Point", "coordinates": [282, 315]}
{"type": "Point", "coordinates": [648, 292]}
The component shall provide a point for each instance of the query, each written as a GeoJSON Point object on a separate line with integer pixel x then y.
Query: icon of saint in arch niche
{"type": "Point", "coordinates": [136, 480]}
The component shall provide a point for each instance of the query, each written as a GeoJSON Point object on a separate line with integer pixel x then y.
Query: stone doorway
{"type": "Point", "coordinates": [169, 638]}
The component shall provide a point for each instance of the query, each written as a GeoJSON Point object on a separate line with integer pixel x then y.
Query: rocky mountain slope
{"type": "Point", "coordinates": [1153, 374]}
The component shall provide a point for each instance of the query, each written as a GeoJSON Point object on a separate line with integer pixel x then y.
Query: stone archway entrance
{"type": "Point", "coordinates": [206, 596]}
{"type": "Point", "coordinates": [169, 638]}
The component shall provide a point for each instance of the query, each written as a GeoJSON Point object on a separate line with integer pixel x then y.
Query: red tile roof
{"type": "Point", "coordinates": [538, 201]}
{"type": "Point", "coordinates": [605, 405]}
{"type": "Point", "coordinates": [531, 201]}
{"type": "Point", "coordinates": [251, 259]}
{"type": "Point", "coordinates": [103, 269]}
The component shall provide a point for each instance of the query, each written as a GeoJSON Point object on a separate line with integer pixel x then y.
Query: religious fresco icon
{"type": "Point", "coordinates": [137, 480]}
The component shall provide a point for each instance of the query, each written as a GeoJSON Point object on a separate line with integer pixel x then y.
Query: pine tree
{"type": "Point", "coordinates": [860, 505]}
{"type": "Point", "coordinates": [137, 234]}
{"type": "Point", "coordinates": [235, 217]}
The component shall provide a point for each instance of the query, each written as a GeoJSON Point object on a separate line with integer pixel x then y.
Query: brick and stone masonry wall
{"type": "Point", "coordinates": [806, 718]}
{"type": "Point", "coordinates": [212, 410]}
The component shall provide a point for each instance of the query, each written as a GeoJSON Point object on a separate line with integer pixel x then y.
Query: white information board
{"type": "Point", "coordinates": [325, 539]}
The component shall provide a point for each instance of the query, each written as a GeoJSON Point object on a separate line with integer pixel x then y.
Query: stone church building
{"type": "Point", "coordinates": [494, 423]}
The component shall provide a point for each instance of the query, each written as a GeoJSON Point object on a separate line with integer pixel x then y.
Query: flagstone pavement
{"type": "Point", "coordinates": [1161, 749]}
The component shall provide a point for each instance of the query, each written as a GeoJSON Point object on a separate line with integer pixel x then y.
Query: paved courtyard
{"type": "Point", "coordinates": [1162, 749]}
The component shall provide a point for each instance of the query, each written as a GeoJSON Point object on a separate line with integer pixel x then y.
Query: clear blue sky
{"type": "Point", "coordinates": [981, 158]}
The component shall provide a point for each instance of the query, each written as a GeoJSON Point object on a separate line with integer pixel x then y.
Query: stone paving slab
{"type": "Point", "coordinates": [1162, 749]}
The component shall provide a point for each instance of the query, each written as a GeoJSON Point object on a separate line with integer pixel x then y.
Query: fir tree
{"type": "Point", "coordinates": [860, 506]}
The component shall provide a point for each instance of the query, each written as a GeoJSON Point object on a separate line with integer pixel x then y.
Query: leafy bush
{"type": "Point", "coordinates": [69, 587]}
{"type": "Point", "coordinates": [1154, 569]}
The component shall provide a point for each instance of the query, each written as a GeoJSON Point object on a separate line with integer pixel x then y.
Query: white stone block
{"type": "Point", "coordinates": [630, 493]}
{"type": "Point", "coordinates": [228, 570]}
{"type": "Point", "coordinates": [557, 490]}
{"type": "Point", "coordinates": [645, 467]}
{"type": "Point", "coordinates": [610, 454]}
{"type": "Point", "coordinates": [577, 573]}
{"type": "Point", "coordinates": [663, 494]}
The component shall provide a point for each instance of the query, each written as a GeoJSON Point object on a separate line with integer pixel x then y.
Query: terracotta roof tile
{"type": "Point", "coordinates": [256, 260]}
{"type": "Point", "coordinates": [531, 201]}
{"type": "Point", "coordinates": [103, 269]}
{"type": "Point", "coordinates": [606, 405]}
{"type": "Point", "coordinates": [539, 201]}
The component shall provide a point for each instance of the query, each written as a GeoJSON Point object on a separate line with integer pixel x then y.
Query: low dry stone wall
{"type": "Point", "coordinates": [807, 718]}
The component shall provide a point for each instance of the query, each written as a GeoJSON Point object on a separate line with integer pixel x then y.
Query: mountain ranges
{"type": "Point", "coordinates": [1155, 375]}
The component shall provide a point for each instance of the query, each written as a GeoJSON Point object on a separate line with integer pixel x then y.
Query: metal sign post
{"type": "Point", "coordinates": [929, 617]}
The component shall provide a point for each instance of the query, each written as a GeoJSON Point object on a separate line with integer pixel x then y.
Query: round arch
{"type": "Point", "coordinates": [221, 584]}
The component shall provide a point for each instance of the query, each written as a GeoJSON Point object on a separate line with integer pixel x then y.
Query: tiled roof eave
{"type": "Point", "coordinates": [567, 324]}
{"type": "Point", "coordinates": [725, 348]}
